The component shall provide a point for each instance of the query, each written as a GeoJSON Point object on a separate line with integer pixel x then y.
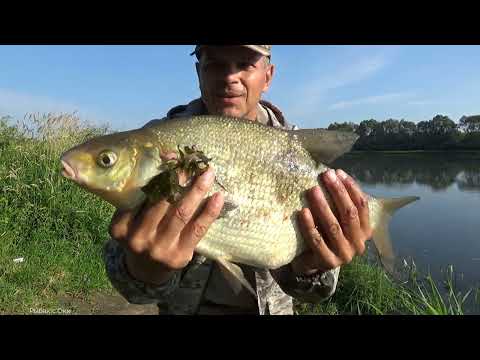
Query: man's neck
{"type": "Point", "coordinates": [254, 115]}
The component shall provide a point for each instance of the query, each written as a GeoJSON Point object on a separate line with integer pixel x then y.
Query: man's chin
{"type": "Point", "coordinates": [228, 111]}
{"type": "Point", "coordinates": [231, 112]}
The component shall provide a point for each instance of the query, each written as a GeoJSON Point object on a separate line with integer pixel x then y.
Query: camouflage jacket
{"type": "Point", "coordinates": [200, 288]}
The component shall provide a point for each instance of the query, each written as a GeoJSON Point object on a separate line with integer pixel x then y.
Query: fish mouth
{"type": "Point", "coordinates": [68, 171]}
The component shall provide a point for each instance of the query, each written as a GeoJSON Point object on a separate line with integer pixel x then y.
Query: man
{"type": "Point", "coordinates": [151, 258]}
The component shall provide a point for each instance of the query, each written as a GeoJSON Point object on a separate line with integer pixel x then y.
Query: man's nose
{"type": "Point", "coordinates": [231, 73]}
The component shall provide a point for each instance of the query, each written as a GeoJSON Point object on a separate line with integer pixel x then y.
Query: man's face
{"type": "Point", "coordinates": [232, 79]}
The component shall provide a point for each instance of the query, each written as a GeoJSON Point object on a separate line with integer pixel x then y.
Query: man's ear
{"type": "Point", "coordinates": [269, 77]}
{"type": "Point", "coordinates": [197, 67]}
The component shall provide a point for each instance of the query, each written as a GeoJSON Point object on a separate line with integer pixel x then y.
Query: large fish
{"type": "Point", "coordinates": [263, 173]}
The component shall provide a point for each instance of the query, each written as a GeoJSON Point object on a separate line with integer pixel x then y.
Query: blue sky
{"type": "Point", "coordinates": [314, 86]}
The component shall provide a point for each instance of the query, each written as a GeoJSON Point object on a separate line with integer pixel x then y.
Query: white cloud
{"type": "Point", "coordinates": [421, 102]}
{"type": "Point", "coordinates": [352, 73]}
{"type": "Point", "coordinates": [310, 97]}
{"type": "Point", "coordinates": [377, 99]}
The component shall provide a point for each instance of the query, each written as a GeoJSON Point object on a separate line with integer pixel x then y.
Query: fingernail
{"type": "Point", "coordinates": [331, 175]}
{"type": "Point", "coordinates": [217, 200]}
{"type": "Point", "coordinates": [342, 174]}
{"type": "Point", "coordinates": [207, 177]}
{"type": "Point", "coordinates": [316, 194]}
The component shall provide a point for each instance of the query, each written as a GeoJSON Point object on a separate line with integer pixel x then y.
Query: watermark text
{"type": "Point", "coordinates": [59, 311]}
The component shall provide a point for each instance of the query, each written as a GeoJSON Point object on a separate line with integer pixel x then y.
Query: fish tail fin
{"type": "Point", "coordinates": [381, 235]}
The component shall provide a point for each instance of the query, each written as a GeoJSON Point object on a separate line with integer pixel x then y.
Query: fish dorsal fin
{"type": "Point", "coordinates": [325, 145]}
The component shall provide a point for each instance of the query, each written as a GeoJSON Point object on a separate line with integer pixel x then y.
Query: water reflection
{"type": "Point", "coordinates": [442, 228]}
{"type": "Point", "coordinates": [437, 170]}
{"type": "Point", "coordinates": [468, 180]}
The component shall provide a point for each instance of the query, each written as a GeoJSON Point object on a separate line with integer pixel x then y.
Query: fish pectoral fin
{"type": "Point", "coordinates": [325, 145]}
{"type": "Point", "coordinates": [234, 276]}
{"type": "Point", "coordinates": [228, 209]}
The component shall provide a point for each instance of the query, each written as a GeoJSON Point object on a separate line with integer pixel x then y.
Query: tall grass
{"type": "Point", "coordinates": [364, 288]}
{"type": "Point", "coordinates": [56, 228]}
{"type": "Point", "coordinates": [59, 230]}
{"type": "Point", "coordinates": [425, 297]}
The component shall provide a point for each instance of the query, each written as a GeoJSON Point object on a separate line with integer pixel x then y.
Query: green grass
{"type": "Point", "coordinates": [60, 229]}
{"type": "Point", "coordinates": [56, 227]}
{"type": "Point", "coordinates": [365, 289]}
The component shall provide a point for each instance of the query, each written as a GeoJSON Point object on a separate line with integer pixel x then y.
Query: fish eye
{"type": "Point", "coordinates": [107, 159]}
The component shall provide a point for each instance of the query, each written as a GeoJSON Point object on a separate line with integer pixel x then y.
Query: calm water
{"type": "Point", "coordinates": [443, 227]}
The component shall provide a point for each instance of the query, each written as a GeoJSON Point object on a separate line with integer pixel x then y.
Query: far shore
{"type": "Point", "coordinates": [413, 151]}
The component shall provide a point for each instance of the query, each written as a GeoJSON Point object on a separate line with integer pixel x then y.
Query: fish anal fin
{"type": "Point", "coordinates": [234, 276]}
{"type": "Point", "coordinates": [228, 209]}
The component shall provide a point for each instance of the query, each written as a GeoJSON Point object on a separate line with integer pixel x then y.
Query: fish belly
{"type": "Point", "coordinates": [263, 244]}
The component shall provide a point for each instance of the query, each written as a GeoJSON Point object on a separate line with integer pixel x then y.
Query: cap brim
{"type": "Point", "coordinates": [258, 49]}
{"type": "Point", "coordinates": [255, 48]}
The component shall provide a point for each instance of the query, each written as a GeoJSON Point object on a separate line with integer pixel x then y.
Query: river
{"type": "Point", "coordinates": [443, 227]}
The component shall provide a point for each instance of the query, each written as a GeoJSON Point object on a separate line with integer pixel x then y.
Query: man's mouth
{"type": "Point", "coordinates": [230, 95]}
{"type": "Point", "coordinates": [229, 99]}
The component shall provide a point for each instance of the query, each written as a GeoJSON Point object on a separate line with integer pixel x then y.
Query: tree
{"type": "Point", "coordinates": [391, 126]}
{"type": "Point", "coordinates": [463, 123]}
{"type": "Point", "coordinates": [407, 127]}
{"type": "Point", "coordinates": [442, 125]}
{"type": "Point", "coordinates": [367, 127]}
{"type": "Point", "coordinates": [470, 124]}
{"type": "Point", "coordinates": [346, 126]}
{"type": "Point", "coordinates": [423, 127]}
{"type": "Point", "coordinates": [439, 133]}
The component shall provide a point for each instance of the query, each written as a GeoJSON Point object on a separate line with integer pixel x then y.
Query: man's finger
{"type": "Point", "coordinates": [180, 215]}
{"type": "Point", "coordinates": [148, 218]}
{"type": "Point", "coordinates": [347, 210]}
{"type": "Point", "coordinates": [120, 224]}
{"type": "Point", "coordinates": [359, 198]}
{"type": "Point", "coordinates": [197, 229]}
{"type": "Point", "coordinates": [331, 230]}
{"type": "Point", "coordinates": [320, 257]}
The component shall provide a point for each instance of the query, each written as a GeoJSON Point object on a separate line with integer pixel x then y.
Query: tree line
{"type": "Point", "coordinates": [439, 133]}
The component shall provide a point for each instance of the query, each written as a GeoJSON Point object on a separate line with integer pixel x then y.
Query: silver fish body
{"type": "Point", "coordinates": [265, 172]}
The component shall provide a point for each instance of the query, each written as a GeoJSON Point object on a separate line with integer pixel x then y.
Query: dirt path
{"type": "Point", "coordinates": [105, 304]}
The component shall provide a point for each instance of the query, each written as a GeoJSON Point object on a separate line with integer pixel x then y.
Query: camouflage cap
{"type": "Point", "coordinates": [265, 50]}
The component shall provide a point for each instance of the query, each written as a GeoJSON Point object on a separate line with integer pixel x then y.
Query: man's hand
{"type": "Point", "coordinates": [162, 238]}
{"type": "Point", "coordinates": [333, 240]}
